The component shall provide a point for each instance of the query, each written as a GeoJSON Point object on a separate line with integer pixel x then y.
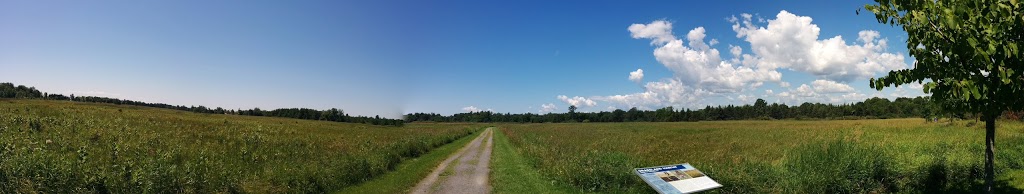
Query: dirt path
{"type": "Point", "coordinates": [464, 172]}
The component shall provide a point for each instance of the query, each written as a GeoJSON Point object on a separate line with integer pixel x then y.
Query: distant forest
{"type": "Point", "coordinates": [872, 108]}
{"type": "Point", "coordinates": [8, 90]}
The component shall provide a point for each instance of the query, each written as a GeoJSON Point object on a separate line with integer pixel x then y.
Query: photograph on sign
{"type": "Point", "coordinates": [678, 178]}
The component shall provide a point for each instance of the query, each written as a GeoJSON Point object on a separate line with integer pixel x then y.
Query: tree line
{"type": "Point", "coordinates": [8, 90]}
{"type": "Point", "coordinates": [871, 108]}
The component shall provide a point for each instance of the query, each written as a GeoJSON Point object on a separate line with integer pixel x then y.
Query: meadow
{"type": "Point", "coordinates": [73, 147]}
{"type": "Point", "coordinates": [842, 156]}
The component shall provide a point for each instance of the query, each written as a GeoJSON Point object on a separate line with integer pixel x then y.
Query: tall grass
{"type": "Point", "coordinates": [863, 156]}
{"type": "Point", "coordinates": [67, 147]}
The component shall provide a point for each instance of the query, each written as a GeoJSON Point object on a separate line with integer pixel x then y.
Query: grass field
{"type": "Point", "coordinates": [854, 156]}
{"type": "Point", "coordinates": [68, 147]}
{"type": "Point", "coordinates": [511, 172]}
{"type": "Point", "coordinates": [409, 172]}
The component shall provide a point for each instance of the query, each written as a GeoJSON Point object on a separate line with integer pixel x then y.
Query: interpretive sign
{"type": "Point", "coordinates": [679, 178]}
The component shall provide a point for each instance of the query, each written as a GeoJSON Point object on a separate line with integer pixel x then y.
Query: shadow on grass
{"type": "Point", "coordinates": [939, 180]}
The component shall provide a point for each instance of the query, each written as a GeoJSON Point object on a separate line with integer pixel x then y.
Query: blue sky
{"type": "Point", "coordinates": [393, 57]}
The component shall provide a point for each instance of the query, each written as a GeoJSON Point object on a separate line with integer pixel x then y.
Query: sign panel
{"type": "Point", "coordinates": [676, 179]}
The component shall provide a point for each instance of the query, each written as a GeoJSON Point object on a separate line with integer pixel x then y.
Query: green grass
{"type": "Point", "coordinates": [512, 173]}
{"type": "Point", "coordinates": [72, 147]}
{"type": "Point", "coordinates": [1013, 179]}
{"type": "Point", "coordinates": [410, 172]}
{"type": "Point", "coordinates": [859, 156]}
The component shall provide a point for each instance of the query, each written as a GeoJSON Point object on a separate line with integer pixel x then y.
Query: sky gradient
{"type": "Point", "coordinates": [388, 58]}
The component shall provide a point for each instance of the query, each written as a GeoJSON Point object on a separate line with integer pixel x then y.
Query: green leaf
{"type": "Point", "coordinates": [1003, 76]}
{"type": "Point", "coordinates": [965, 93]}
{"type": "Point", "coordinates": [974, 91]}
{"type": "Point", "coordinates": [1012, 46]}
{"type": "Point", "coordinates": [928, 87]}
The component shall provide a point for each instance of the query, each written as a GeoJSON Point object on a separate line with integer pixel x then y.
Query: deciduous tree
{"type": "Point", "coordinates": [967, 52]}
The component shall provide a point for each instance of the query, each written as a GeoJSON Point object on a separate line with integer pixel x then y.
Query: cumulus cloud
{"type": "Point", "coordinates": [659, 31]}
{"type": "Point", "coordinates": [828, 86]}
{"type": "Point", "coordinates": [470, 109]}
{"type": "Point", "coordinates": [658, 94]}
{"type": "Point", "coordinates": [546, 108]}
{"type": "Point", "coordinates": [577, 101]}
{"type": "Point", "coordinates": [824, 91]}
{"type": "Point", "coordinates": [804, 91]}
{"type": "Point", "coordinates": [696, 64]}
{"type": "Point", "coordinates": [736, 51]}
{"type": "Point", "coordinates": [743, 99]}
{"type": "Point", "coordinates": [636, 76]}
{"type": "Point", "coordinates": [700, 76]}
{"type": "Point", "coordinates": [909, 90]}
{"type": "Point", "coordinates": [915, 86]}
{"type": "Point", "coordinates": [791, 41]}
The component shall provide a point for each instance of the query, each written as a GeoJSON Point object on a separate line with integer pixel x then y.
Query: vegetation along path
{"type": "Point", "coordinates": [464, 172]}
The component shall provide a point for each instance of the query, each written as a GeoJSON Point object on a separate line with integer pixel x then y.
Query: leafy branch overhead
{"type": "Point", "coordinates": [969, 50]}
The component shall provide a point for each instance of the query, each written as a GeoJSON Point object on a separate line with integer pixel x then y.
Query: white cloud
{"type": "Point", "coordinates": [820, 91]}
{"type": "Point", "coordinates": [701, 77]}
{"type": "Point", "coordinates": [696, 63]}
{"type": "Point", "coordinates": [909, 90]}
{"type": "Point", "coordinates": [915, 85]}
{"type": "Point", "coordinates": [659, 94]}
{"type": "Point", "coordinates": [659, 31]}
{"type": "Point", "coordinates": [577, 101]}
{"type": "Point", "coordinates": [636, 76]}
{"type": "Point", "coordinates": [804, 91]}
{"type": "Point", "coordinates": [791, 41]}
{"type": "Point", "coordinates": [868, 36]}
{"type": "Point", "coordinates": [470, 109]}
{"type": "Point", "coordinates": [828, 86]}
{"type": "Point", "coordinates": [745, 99]}
{"type": "Point", "coordinates": [736, 51]}
{"type": "Point", "coordinates": [546, 108]}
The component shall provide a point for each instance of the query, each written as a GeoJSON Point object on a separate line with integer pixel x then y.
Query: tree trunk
{"type": "Point", "coordinates": [990, 146]}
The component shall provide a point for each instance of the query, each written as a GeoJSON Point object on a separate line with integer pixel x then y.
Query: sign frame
{"type": "Point", "coordinates": [676, 179]}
